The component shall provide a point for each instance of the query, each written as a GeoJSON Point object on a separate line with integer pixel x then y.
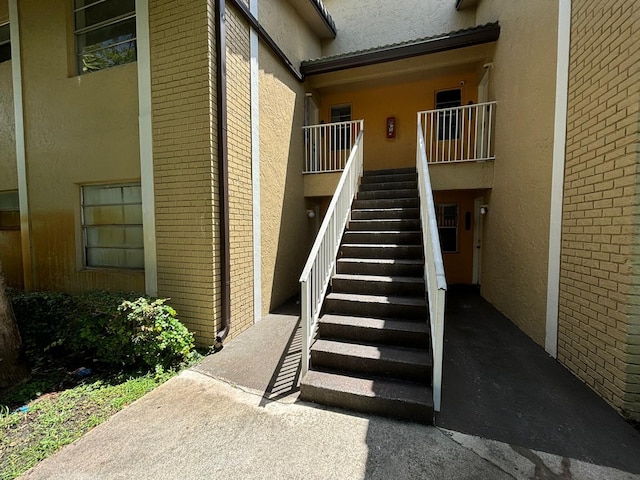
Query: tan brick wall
{"type": "Point", "coordinates": [185, 160]}
{"type": "Point", "coordinates": [599, 327]}
{"type": "Point", "coordinates": [240, 185]}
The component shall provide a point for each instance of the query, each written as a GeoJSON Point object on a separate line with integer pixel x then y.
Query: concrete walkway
{"type": "Point", "coordinates": [237, 416]}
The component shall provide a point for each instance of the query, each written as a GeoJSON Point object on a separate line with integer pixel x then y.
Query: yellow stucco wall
{"type": "Point", "coordinates": [599, 326]}
{"type": "Point", "coordinates": [516, 248]}
{"type": "Point", "coordinates": [79, 130]}
{"type": "Point", "coordinates": [402, 100]}
{"type": "Point", "coordinates": [286, 231]}
{"type": "Point", "coordinates": [361, 26]}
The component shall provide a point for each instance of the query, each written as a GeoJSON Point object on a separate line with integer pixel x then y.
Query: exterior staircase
{"type": "Point", "coordinates": [372, 352]}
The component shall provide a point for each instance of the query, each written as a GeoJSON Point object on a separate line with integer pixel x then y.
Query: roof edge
{"type": "Point", "coordinates": [478, 35]}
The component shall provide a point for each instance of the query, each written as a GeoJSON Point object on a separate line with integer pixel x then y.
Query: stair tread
{"type": "Point", "coordinates": [378, 278]}
{"type": "Point", "coordinates": [382, 299]}
{"type": "Point", "coordinates": [381, 261]}
{"type": "Point", "coordinates": [385, 232]}
{"type": "Point", "coordinates": [385, 353]}
{"type": "Point", "coordinates": [380, 245]}
{"type": "Point", "coordinates": [381, 388]}
{"type": "Point", "coordinates": [376, 323]}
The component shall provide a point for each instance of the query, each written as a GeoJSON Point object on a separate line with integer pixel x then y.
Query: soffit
{"type": "Point", "coordinates": [315, 14]}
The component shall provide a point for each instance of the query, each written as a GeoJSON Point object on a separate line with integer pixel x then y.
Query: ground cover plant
{"type": "Point", "coordinates": [90, 355]}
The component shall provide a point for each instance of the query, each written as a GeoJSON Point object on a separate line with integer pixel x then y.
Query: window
{"type": "Point", "coordinates": [9, 210]}
{"type": "Point", "coordinates": [5, 43]}
{"type": "Point", "coordinates": [112, 226]}
{"type": "Point", "coordinates": [448, 227]}
{"type": "Point", "coordinates": [341, 136]}
{"type": "Point", "coordinates": [105, 33]}
{"type": "Point", "coordinates": [448, 122]}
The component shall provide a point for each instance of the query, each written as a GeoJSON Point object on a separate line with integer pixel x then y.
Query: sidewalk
{"type": "Point", "coordinates": [236, 416]}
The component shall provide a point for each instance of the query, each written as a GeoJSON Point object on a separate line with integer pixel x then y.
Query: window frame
{"type": "Point", "coordinates": [5, 45]}
{"type": "Point", "coordinates": [445, 118]}
{"type": "Point", "coordinates": [11, 209]}
{"type": "Point", "coordinates": [440, 214]}
{"type": "Point", "coordinates": [81, 69]}
{"type": "Point", "coordinates": [343, 140]}
{"type": "Point", "coordinates": [84, 228]}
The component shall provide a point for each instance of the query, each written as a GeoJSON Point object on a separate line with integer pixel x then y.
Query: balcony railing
{"type": "Point", "coordinates": [459, 134]}
{"type": "Point", "coordinates": [320, 265]}
{"type": "Point", "coordinates": [328, 145]}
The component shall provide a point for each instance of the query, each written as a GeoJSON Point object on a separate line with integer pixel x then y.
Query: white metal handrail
{"type": "Point", "coordinates": [328, 145]}
{"type": "Point", "coordinates": [320, 265]}
{"type": "Point", "coordinates": [459, 134]}
{"type": "Point", "coordinates": [434, 277]}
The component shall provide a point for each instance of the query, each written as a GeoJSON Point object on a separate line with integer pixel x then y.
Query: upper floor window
{"type": "Point", "coordinates": [341, 136]}
{"type": "Point", "coordinates": [105, 33]}
{"type": "Point", "coordinates": [112, 226]}
{"type": "Point", "coordinates": [5, 43]}
{"type": "Point", "coordinates": [9, 210]}
{"type": "Point", "coordinates": [449, 122]}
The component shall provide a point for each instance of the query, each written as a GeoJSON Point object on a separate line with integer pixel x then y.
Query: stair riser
{"type": "Point", "coordinates": [346, 364]}
{"type": "Point", "coordinates": [411, 185]}
{"type": "Point", "coordinates": [387, 203]}
{"type": "Point", "coordinates": [406, 213]}
{"type": "Point", "coordinates": [390, 171]}
{"type": "Point", "coordinates": [378, 288]}
{"type": "Point", "coordinates": [375, 194]}
{"type": "Point", "coordinates": [377, 406]}
{"type": "Point", "coordinates": [373, 335]}
{"type": "Point", "coordinates": [394, 238]}
{"type": "Point", "coordinates": [403, 177]}
{"type": "Point", "coordinates": [398, 252]}
{"type": "Point", "coordinates": [383, 225]}
{"type": "Point", "coordinates": [380, 310]}
{"type": "Point", "coordinates": [380, 269]}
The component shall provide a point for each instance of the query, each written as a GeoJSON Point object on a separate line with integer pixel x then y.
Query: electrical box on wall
{"type": "Point", "coordinates": [391, 127]}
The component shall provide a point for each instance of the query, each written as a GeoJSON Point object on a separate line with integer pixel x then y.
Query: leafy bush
{"type": "Point", "coordinates": [115, 329]}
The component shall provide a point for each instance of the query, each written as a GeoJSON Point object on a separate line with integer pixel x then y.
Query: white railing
{"type": "Point", "coordinates": [459, 134]}
{"type": "Point", "coordinates": [434, 278]}
{"type": "Point", "coordinates": [320, 265]}
{"type": "Point", "coordinates": [328, 145]}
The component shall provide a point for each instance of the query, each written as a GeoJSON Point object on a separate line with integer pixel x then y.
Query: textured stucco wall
{"type": "Point", "coordinates": [599, 325]}
{"type": "Point", "coordinates": [286, 231]}
{"type": "Point", "coordinates": [516, 247]}
{"type": "Point", "coordinates": [361, 26]}
{"type": "Point", "coordinates": [402, 100]}
{"type": "Point", "coordinates": [79, 129]}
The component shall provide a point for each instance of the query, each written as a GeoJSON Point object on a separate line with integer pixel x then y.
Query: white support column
{"type": "Point", "coordinates": [557, 181]}
{"type": "Point", "coordinates": [146, 147]}
{"type": "Point", "coordinates": [255, 169]}
{"type": "Point", "coordinates": [21, 155]}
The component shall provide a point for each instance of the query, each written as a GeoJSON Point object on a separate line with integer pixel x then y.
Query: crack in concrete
{"type": "Point", "coordinates": [542, 471]}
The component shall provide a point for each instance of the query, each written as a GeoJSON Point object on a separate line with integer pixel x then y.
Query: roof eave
{"type": "Point", "coordinates": [476, 36]}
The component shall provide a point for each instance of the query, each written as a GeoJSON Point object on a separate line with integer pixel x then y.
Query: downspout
{"type": "Point", "coordinates": [223, 172]}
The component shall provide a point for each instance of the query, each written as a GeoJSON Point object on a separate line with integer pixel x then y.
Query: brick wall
{"type": "Point", "coordinates": [240, 184]}
{"type": "Point", "coordinates": [599, 327]}
{"type": "Point", "coordinates": [185, 160]}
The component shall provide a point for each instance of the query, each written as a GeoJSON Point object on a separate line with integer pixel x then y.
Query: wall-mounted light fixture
{"type": "Point", "coordinates": [311, 214]}
{"type": "Point", "coordinates": [484, 209]}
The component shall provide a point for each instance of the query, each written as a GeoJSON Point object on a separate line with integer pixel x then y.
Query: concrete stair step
{"type": "Point", "coordinates": [380, 306]}
{"type": "Point", "coordinates": [386, 214]}
{"type": "Point", "coordinates": [389, 178]}
{"type": "Point", "coordinates": [378, 285]}
{"type": "Point", "coordinates": [379, 194]}
{"type": "Point", "coordinates": [383, 203]}
{"type": "Point", "coordinates": [390, 185]}
{"type": "Point", "coordinates": [383, 237]}
{"type": "Point", "coordinates": [375, 330]}
{"type": "Point", "coordinates": [385, 224]}
{"type": "Point", "coordinates": [391, 398]}
{"type": "Point", "coordinates": [381, 266]}
{"type": "Point", "coordinates": [389, 171]}
{"type": "Point", "coordinates": [380, 250]}
{"type": "Point", "coordinates": [405, 363]}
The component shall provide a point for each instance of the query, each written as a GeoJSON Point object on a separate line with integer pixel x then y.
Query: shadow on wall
{"type": "Point", "coordinates": [295, 229]}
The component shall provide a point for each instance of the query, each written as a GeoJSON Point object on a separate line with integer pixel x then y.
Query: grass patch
{"type": "Point", "coordinates": [57, 418]}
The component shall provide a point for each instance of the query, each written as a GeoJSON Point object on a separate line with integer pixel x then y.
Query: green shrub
{"type": "Point", "coordinates": [114, 329]}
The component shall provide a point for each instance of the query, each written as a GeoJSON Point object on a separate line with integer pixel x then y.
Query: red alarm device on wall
{"type": "Point", "coordinates": [391, 127]}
